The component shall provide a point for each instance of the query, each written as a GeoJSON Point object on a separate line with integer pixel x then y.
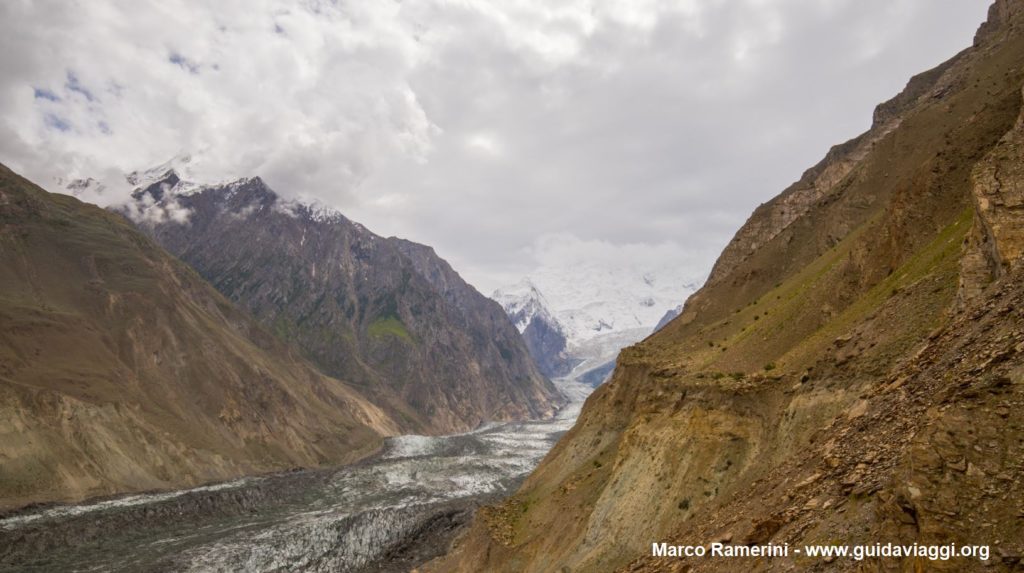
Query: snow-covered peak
{"type": "Point", "coordinates": [82, 188]}
{"type": "Point", "coordinates": [522, 302]}
{"type": "Point", "coordinates": [522, 291]}
{"type": "Point", "coordinates": [312, 209]}
{"type": "Point", "coordinates": [157, 191]}
{"type": "Point", "coordinates": [181, 165]}
{"type": "Point", "coordinates": [178, 174]}
{"type": "Point", "coordinates": [592, 300]}
{"type": "Point", "coordinates": [156, 188]}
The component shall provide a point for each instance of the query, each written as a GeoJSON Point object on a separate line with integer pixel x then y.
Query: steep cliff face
{"type": "Point", "coordinates": [544, 336]}
{"type": "Point", "coordinates": [386, 314]}
{"type": "Point", "coordinates": [122, 370]}
{"type": "Point", "coordinates": [853, 372]}
{"type": "Point", "coordinates": [547, 344]}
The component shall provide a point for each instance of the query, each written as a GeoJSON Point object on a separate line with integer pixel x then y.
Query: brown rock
{"type": "Point", "coordinates": [858, 409]}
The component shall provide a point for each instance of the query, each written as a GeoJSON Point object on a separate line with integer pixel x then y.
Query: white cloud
{"type": "Point", "coordinates": [312, 96]}
{"type": "Point", "coordinates": [146, 211]}
{"type": "Point", "coordinates": [484, 143]}
{"type": "Point", "coordinates": [503, 133]}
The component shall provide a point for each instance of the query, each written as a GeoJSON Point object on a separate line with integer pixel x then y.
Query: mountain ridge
{"type": "Point", "coordinates": [852, 371]}
{"type": "Point", "coordinates": [544, 336]}
{"type": "Point", "coordinates": [385, 313]}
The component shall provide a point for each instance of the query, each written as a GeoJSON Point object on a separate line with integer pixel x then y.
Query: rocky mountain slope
{"type": "Point", "coordinates": [122, 370]}
{"type": "Point", "coordinates": [544, 336]}
{"type": "Point", "coordinates": [388, 315]}
{"type": "Point", "coordinates": [852, 372]}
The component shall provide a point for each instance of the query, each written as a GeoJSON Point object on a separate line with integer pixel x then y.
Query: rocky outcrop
{"type": "Point", "coordinates": [996, 242]}
{"type": "Point", "coordinates": [1003, 18]}
{"type": "Point", "coordinates": [999, 197]}
{"type": "Point", "coordinates": [831, 383]}
{"type": "Point", "coordinates": [121, 370]}
{"type": "Point", "coordinates": [386, 314]}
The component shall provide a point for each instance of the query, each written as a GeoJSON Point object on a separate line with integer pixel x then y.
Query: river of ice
{"type": "Point", "coordinates": [339, 522]}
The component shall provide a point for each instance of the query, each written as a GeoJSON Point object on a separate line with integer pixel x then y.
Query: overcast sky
{"type": "Point", "coordinates": [506, 134]}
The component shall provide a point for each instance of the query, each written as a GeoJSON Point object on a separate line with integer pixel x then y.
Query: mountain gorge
{"type": "Point", "coordinates": [122, 370]}
{"type": "Point", "coordinates": [852, 371]}
{"type": "Point", "coordinates": [385, 314]}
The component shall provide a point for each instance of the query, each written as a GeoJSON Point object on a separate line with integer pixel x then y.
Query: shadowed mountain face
{"type": "Point", "coordinates": [386, 314]}
{"type": "Point", "coordinates": [546, 344]}
{"type": "Point", "coordinates": [543, 335]}
{"type": "Point", "coordinates": [852, 372]}
{"type": "Point", "coordinates": [122, 370]}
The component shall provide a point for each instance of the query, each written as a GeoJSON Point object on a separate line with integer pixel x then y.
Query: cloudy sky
{"type": "Point", "coordinates": [508, 134]}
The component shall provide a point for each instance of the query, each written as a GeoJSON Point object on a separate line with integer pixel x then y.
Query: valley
{"type": "Point", "coordinates": [210, 365]}
{"type": "Point", "coordinates": [387, 513]}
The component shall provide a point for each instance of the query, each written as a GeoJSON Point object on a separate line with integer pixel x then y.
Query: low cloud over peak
{"type": "Point", "coordinates": [482, 128]}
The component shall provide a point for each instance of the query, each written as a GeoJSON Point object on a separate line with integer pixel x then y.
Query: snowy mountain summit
{"type": "Point", "coordinates": [592, 300]}
{"type": "Point", "coordinates": [155, 194]}
{"type": "Point", "coordinates": [588, 312]}
{"type": "Point", "coordinates": [523, 302]}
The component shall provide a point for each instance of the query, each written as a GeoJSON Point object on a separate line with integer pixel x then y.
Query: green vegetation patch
{"type": "Point", "coordinates": [389, 326]}
{"type": "Point", "coordinates": [939, 258]}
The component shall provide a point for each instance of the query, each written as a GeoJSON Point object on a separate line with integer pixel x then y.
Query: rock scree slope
{"type": "Point", "coordinates": [852, 372]}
